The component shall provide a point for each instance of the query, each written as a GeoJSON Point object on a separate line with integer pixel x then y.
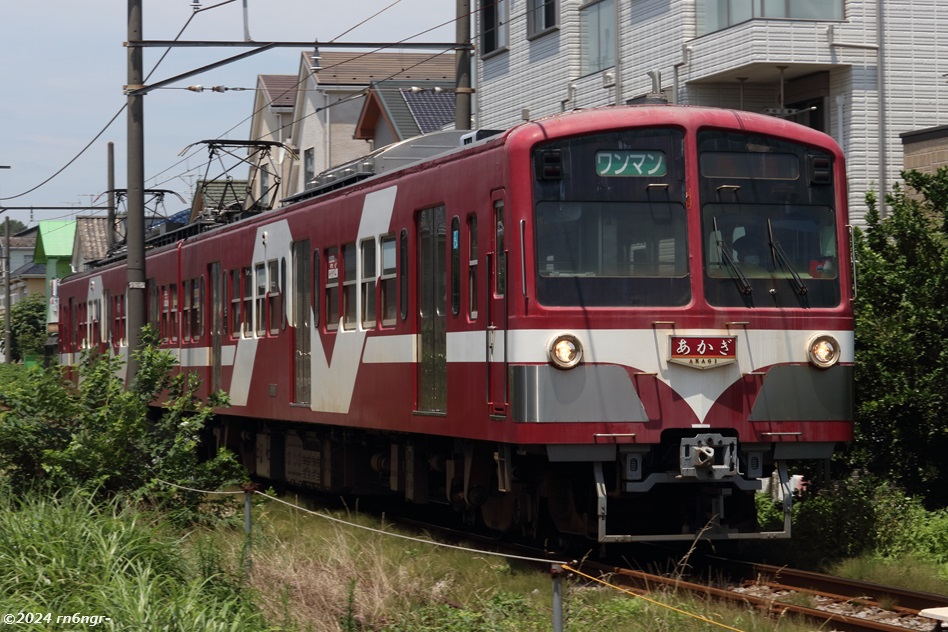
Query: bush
{"type": "Point", "coordinates": [100, 435]}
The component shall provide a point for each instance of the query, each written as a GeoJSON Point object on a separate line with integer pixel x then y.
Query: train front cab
{"type": "Point", "coordinates": [696, 368]}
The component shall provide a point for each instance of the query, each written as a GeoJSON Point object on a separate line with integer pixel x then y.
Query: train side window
{"type": "Point", "coordinates": [236, 295]}
{"type": "Point", "coordinates": [349, 286]}
{"type": "Point", "coordinates": [369, 276]}
{"type": "Point", "coordinates": [197, 305]}
{"type": "Point", "coordinates": [121, 320]}
{"type": "Point", "coordinates": [260, 275]}
{"type": "Point", "coordinates": [455, 265]}
{"type": "Point", "coordinates": [403, 275]}
{"type": "Point", "coordinates": [500, 286]}
{"type": "Point", "coordinates": [472, 266]}
{"type": "Point", "coordinates": [316, 289]}
{"type": "Point", "coordinates": [274, 298]}
{"type": "Point", "coordinates": [108, 325]}
{"type": "Point", "coordinates": [154, 303]}
{"type": "Point", "coordinates": [81, 325]}
{"type": "Point", "coordinates": [186, 310]}
{"type": "Point", "coordinates": [389, 304]}
{"type": "Point", "coordinates": [72, 316]}
{"type": "Point", "coordinates": [246, 309]}
{"type": "Point", "coordinates": [332, 288]}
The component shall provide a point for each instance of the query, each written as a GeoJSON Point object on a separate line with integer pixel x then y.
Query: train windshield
{"type": "Point", "coordinates": [768, 221]}
{"type": "Point", "coordinates": [610, 220]}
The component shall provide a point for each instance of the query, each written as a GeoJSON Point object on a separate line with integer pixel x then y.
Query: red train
{"type": "Point", "coordinates": [609, 323]}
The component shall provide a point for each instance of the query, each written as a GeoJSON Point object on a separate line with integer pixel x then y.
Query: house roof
{"type": "Point", "coordinates": [409, 112]}
{"type": "Point", "coordinates": [221, 194]}
{"type": "Point", "coordinates": [92, 237]}
{"type": "Point", "coordinates": [55, 240]}
{"type": "Point", "coordinates": [280, 90]}
{"type": "Point", "coordinates": [348, 69]}
{"type": "Point", "coordinates": [30, 269]}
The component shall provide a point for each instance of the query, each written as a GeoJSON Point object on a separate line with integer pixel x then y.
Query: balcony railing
{"type": "Point", "coordinates": [715, 15]}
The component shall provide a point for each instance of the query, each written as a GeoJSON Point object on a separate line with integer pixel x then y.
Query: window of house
{"type": "Point", "coordinates": [597, 33]}
{"type": "Point", "coordinates": [541, 16]}
{"type": "Point", "coordinates": [309, 166]}
{"type": "Point", "coordinates": [493, 25]}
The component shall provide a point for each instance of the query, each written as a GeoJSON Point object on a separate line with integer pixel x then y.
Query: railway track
{"type": "Point", "coordinates": [834, 603]}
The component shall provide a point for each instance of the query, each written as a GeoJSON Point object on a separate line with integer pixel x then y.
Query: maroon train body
{"type": "Point", "coordinates": [612, 323]}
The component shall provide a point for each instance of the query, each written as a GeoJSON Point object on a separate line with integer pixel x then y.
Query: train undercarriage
{"type": "Point", "coordinates": [689, 486]}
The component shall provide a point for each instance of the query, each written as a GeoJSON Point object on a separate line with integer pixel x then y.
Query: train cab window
{"type": "Point", "coordinates": [349, 286]}
{"type": "Point", "coordinates": [455, 265]}
{"type": "Point", "coordinates": [260, 286]}
{"type": "Point", "coordinates": [610, 220]}
{"type": "Point", "coordinates": [246, 309]}
{"type": "Point", "coordinates": [369, 275]}
{"type": "Point", "coordinates": [403, 275]}
{"type": "Point", "coordinates": [500, 272]}
{"type": "Point", "coordinates": [388, 299]}
{"type": "Point", "coordinates": [274, 298]}
{"type": "Point", "coordinates": [472, 267]}
{"type": "Point", "coordinates": [332, 288]}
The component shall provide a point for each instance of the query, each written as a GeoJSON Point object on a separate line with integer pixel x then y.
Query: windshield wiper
{"type": "Point", "coordinates": [725, 253]}
{"type": "Point", "coordinates": [780, 258]}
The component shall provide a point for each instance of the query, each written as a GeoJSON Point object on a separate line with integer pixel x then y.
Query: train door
{"type": "Point", "coordinates": [302, 321]}
{"type": "Point", "coordinates": [496, 321]}
{"type": "Point", "coordinates": [432, 310]}
{"type": "Point", "coordinates": [217, 311]}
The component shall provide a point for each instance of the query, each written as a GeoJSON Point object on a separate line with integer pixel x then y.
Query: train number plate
{"type": "Point", "coordinates": [703, 352]}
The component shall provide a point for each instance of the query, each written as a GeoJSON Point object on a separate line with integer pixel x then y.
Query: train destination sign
{"type": "Point", "coordinates": [628, 163]}
{"type": "Point", "coordinates": [703, 352]}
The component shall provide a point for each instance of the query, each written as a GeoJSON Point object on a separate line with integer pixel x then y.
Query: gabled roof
{"type": "Point", "coordinates": [30, 269]}
{"type": "Point", "coordinates": [427, 108]}
{"type": "Point", "coordinates": [92, 238]}
{"type": "Point", "coordinates": [280, 90]}
{"type": "Point", "coordinates": [362, 69]}
{"type": "Point", "coordinates": [55, 240]}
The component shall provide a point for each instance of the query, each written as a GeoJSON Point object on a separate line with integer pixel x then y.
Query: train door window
{"type": "Point", "coordinates": [260, 275]}
{"type": "Point", "coordinates": [274, 297]}
{"type": "Point", "coordinates": [369, 276]}
{"type": "Point", "coordinates": [246, 309]}
{"type": "Point", "coordinates": [500, 274]}
{"type": "Point", "coordinates": [403, 275]}
{"type": "Point", "coordinates": [236, 297]}
{"type": "Point", "coordinates": [388, 306]}
{"type": "Point", "coordinates": [455, 265]}
{"type": "Point", "coordinates": [349, 286]}
{"type": "Point", "coordinates": [81, 325]}
{"type": "Point", "coordinates": [95, 317]}
{"type": "Point", "coordinates": [332, 288]}
{"type": "Point", "coordinates": [472, 266]}
{"type": "Point", "coordinates": [197, 304]}
{"type": "Point", "coordinates": [73, 319]}
{"type": "Point", "coordinates": [284, 296]}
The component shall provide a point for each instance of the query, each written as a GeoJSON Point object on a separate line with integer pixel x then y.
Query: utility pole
{"type": "Point", "coordinates": [7, 335]}
{"type": "Point", "coordinates": [135, 231]}
{"type": "Point", "coordinates": [462, 73]}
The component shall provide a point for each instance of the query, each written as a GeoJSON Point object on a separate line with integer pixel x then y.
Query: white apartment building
{"type": "Point", "coordinates": [864, 71]}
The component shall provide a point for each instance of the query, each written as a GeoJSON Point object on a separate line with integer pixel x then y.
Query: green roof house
{"type": "Point", "coordinates": [54, 245]}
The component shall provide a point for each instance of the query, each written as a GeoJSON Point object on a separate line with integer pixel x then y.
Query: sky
{"type": "Point", "coordinates": [63, 67]}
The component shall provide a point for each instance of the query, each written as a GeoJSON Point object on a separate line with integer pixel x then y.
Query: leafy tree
{"type": "Point", "coordinates": [16, 226]}
{"type": "Point", "coordinates": [28, 326]}
{"type": "Point", "coordinates": [902, 337]}
{"type": "Point", "coordinates": [101, 435]}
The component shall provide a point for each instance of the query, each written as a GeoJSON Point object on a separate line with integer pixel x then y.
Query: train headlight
{"type": "Point", "coordinates": [566, 351]}
{"type": "Point", "coordinates": [823, 351]}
